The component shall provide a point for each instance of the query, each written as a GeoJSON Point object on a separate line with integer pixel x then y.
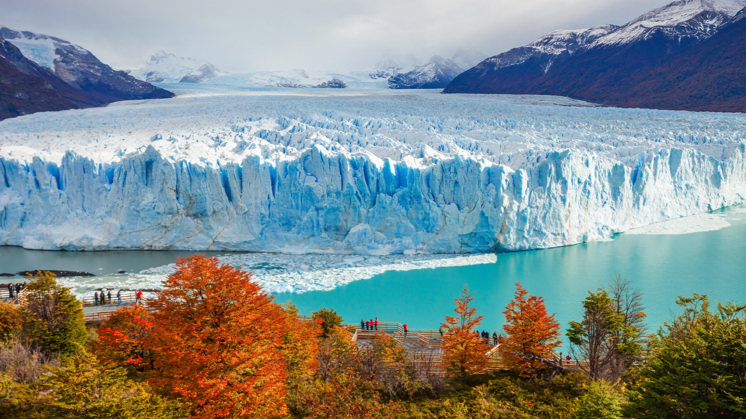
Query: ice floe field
{"type": "Point", "coordinates": [358, 172]}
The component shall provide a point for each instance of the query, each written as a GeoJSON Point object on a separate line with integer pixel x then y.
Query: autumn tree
{"type": "Point", "coordinates": [215, 342]}
{"type": "Point", "coordinates": [611, 335]}
{"type": "Point", "coordinates": [464, 352]}
{"type": "Point", "coordinates": [53, 317]}
{"type": "Point", "coordinates": [300, 348]}
{"type": "Point", "coordinates": [531, 335]}
{"type": "Point", "coordinates": [345, 386]}
{"type": "Point", "coordinates": [11, 320]}
{"type": "Point", "coordinates": [121, 338]}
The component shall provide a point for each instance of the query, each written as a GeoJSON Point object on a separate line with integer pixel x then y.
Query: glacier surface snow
{"type": "Point", "coordinates": [372, 172]}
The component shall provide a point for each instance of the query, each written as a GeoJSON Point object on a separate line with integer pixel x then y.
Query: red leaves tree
{"type": "Point", "coordinates": [216, 341]}
{"type": "Point", "coordinates": [464, 352]}
{"type": "Point", "coordinates": [531, 334]}
{"type": "Point", "coordinates": [121, 339]}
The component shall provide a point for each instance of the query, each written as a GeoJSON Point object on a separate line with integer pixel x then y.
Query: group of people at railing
{"type": "Point", "coordinates": [486, 336]}
{"type": "Point", "coordinates": [104, 297]}
{"type": "Point", "coordinates": [15, 289]}
{"type": "Point", "coordinates": [369, 324]}
{"type": "Point", "coordinates": [372, 325]}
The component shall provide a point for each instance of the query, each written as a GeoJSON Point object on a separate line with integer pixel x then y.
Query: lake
{"type": "Point", "coordinates": [661, 266]}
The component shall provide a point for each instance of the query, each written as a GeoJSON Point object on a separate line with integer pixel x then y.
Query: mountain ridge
{"type": "Point", "coordinates": [608, 72]}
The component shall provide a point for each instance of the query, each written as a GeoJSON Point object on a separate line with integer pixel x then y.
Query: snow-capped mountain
{"type": "Point", "coordinates": [165, 67]}
{"type": "Point", "coordinates": [435, 74]}
{"type": "Point", "coordinates": [682, 20]}
{"type": "Point", "coordinates": [25, 87]}
{"type": "Point", "coordinates": [601, 67]}
{"type": "Point", "coordinates": [79, 68]}
{"type": "Point", "coordinates": [545, 50]}
{"type": "Point", "coordinates": [292, 79]}
{"type": "Point", "coordinates": [376, 173]}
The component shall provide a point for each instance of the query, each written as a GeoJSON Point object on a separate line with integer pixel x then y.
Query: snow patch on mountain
{"type": "Point", "coordinates": [291, 79]}
{"type": "Point", "coordinates": [555, 43]}
{"type": "Point", "coordinates": [434, 74]}
{"type": "Point", "coordinates": [165, 67]}
{"type": "Point", "coordinates": [714, 13]}
{"type": "Point", "coordinates": [39, 48]}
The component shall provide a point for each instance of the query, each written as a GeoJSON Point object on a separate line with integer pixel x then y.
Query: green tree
{"type": "Point", "coordinates": [329, 319]}
{"type": "Point", "coordinates": [697, 368]}
{"type": "Point", "coordinates": [601, 401]}
{"type": "Point", "coordinates": [610, 337]}
{"type": "Point", "coordinates": [85, 388]}
{"type": "Point", "coordinates": [53, 317]}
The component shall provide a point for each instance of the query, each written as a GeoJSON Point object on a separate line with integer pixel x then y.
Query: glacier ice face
{"type": "Point", "coordinates": [358, 172]}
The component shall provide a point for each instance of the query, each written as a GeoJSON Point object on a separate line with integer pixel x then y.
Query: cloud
{"type": "Point", "coordinates": [338, 35]}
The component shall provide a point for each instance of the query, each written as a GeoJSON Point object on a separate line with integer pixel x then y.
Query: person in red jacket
{"type": "Point", "coordinates": [405, 330]}
{"type": "Point", "coordinates": [376, 323]}
{"type": "Point", "coordinates": [138, 296]}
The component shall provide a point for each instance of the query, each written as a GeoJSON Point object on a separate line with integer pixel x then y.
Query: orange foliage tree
{"type": "Point", "coordinates": [11, 320]}
{"type": "Point", "coordinates": [464, 351]}
{"type": "Point", "coordinates": [121, 339]}
{"type": "Point", "coordinates": [300, 348]}
{"type": "Point", "coordinates": [216, 341]}
{"type": "Point", "coordinates": [531, 334]}
{"type": "Point", "coordinates": [345, 386]}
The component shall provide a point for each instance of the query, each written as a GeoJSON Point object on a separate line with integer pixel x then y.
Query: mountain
{"type": "Point", "coordinates": [607, 66]}
{"type": "Point", "coordinates": [709, 76]}
{"type": "Point", "coordinates": [291, 79]}
{"type": "Point", "coordinates": [25, 87]}
{"type": "Point", "coordinates": [96, 83]}
{"type": "Point", "coordinates": [435, 74]}
{"type": "Point", "coordinates": [522, 65]}
{"type": "Point", "coordinates": [169, 68]}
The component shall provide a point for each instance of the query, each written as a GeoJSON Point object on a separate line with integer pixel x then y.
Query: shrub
{"type": "Point", "coordinates": [329, 319]}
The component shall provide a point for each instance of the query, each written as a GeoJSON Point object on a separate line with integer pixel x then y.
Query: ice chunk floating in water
{"type": "Point", "coordinates": [289, 273]}
{"type": "Point", "coordinates": [360, 173]}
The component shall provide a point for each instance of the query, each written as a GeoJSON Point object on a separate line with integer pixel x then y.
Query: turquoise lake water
{"type": "Point", "coordinates": [662, 267]}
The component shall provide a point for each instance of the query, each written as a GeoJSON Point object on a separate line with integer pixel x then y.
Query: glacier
{"type": "Point", "coordinates": [361, 172]}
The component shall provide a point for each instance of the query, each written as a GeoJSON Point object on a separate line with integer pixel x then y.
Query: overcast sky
{"type": "Point", "coordinates": [331, 35]}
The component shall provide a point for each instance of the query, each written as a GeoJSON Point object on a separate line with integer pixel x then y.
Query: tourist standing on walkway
{"type": "Point", "coordinates": [95, 298]}
{"type": "Point", "coordinates": [405, 330]}
{"type": "Point", "coordinates": [376, 324]}
{"type": "Point", "coordinates": [10, 290]}
{"type": "Point", "coordinates": [138, 297]}
{"type": "Point", "coordinates": [108, 297]}
{"type": "Point", "coordinates": [119, 297]}
{"type": "Point", "coordinates": [362, 324]}
{"type": "Point", "coordinates": [494, 337]}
